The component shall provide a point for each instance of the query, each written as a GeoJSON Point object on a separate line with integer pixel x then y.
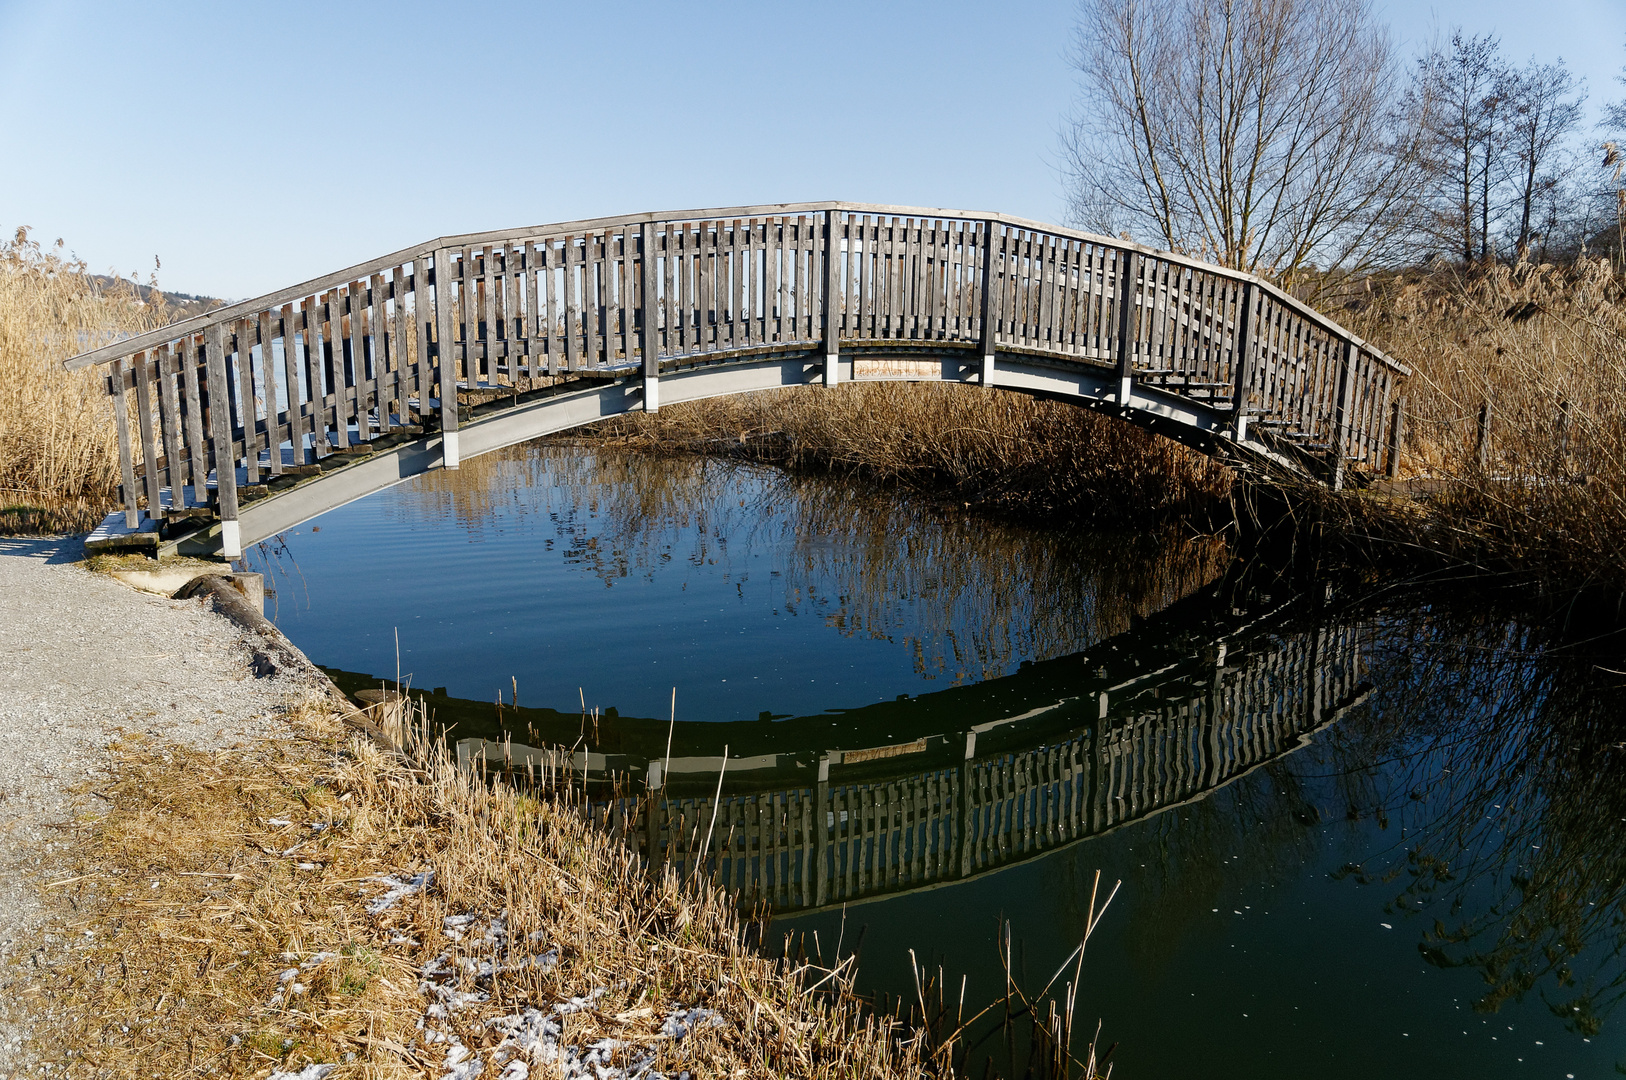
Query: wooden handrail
{"type": "Point", "coordinates": [140, 342]}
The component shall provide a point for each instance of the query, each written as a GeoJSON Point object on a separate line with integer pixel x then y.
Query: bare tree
{"type": "Point", "coordinates": [1460, 91]}
{"type": "Point", "coordinates": [1543, 108]}
{"type": "Point", "coordinates": [1262, 134]}
{"type": "Point", "coordinates": [1614, 114]}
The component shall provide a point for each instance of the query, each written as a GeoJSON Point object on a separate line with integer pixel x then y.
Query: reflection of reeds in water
{"type": "Point", "coordinates": [1510, 796]}
{"type": "Point", "coordinates": [1494, 760]}
{"type": "Point", "coordinates": [970, 597]}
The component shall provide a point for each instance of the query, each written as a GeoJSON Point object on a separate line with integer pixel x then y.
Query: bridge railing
{"type": "Point", "coordinates": [215, 407]}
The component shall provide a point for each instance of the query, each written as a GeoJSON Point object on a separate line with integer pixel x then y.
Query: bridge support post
{"type": "Point", "coordinates": [1340, 432]}
{"type": "Point", "coordinates": [231, 544]}
{"type": "Point", "coordinates": [1128, 324]}
{"type": "Point", "coordinates": [822, 813]}
{"type": "Point", "coordinates": [446, 350]}
{"type": "Point", "coordinates": [649, 333]}
{"type": "Point", "coordinates": [1397, 433]}
{"type": "Point", "coordinates": [1242, 376]}
{"type": "Point", "coordinates": [990, 314]}
{"type": "Point", "coordinates": [830, 299]}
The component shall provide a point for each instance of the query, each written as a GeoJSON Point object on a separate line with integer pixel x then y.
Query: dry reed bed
{"type": "Point", "coordinates": [226, 931]}
{"type": "Point", "coordinates": [994, 452]}
{"type": "Point", "coordinates": [59, 457]}
{"type": "Point", "coordinates": [1544, 494]}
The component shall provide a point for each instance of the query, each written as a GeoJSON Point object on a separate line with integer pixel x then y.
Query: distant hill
{"type": "Point", "coordinates": [179, 305]}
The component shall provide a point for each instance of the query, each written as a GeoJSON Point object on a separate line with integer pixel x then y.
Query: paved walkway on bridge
{"type": "Point", "coordinates": [83, 661]}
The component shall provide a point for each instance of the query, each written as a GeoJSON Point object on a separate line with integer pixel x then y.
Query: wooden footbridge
{"type": "Point", "coordinates": [242, 422]}
{"type": "Point", "coordinates": [1065, 750]}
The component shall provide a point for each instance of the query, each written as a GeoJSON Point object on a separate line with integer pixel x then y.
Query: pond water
{"type": "Point", "coordinates": [1358, 828]}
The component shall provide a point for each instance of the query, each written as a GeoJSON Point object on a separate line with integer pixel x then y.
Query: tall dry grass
{"type": "Point", "coordinates": [1543, 492]}
{"type": "Point", "coordinates": [224, 929]}
{"type": "Point", "coordinates": [59, 459]}
{"type": "Point", "coordinates": [997, 452]}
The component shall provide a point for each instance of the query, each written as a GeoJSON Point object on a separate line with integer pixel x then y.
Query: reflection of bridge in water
{"type": "Point", "coordinates": [1142, 723]}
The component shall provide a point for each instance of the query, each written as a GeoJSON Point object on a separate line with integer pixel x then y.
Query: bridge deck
{"type": "Point", "coordinates": [261, 394]}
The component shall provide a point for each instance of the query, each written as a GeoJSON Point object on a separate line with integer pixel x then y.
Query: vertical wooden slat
{"type": "Point", "coordinates": [423, 320]}
{"type": "Point", "coordinates": [592, 306]}
{"type": "Point", "coordinates": [445, 338]}
{"type": "Point", "coordinates": [556, 266]}
{"type": "Point", "coordinates": [1244, 365]}
{"type": "Point", "coordinates": [489, 317]}
{"type": "Point", "coordinates": [384, 380]}
{"type": "Point", "coordinates": [649, 340]}
{"type": "Point", "coordinates": [121, 419]}
{"type": "Point", "coordinates": [508, 330]}
{"type": "Point", "coordinates": [268, 384]}
{"type": "Point", "coordinates": [773, 308]}
{"type": "Point", "coordinates": [220, 422]}
{"type": "Point", "coordinates": [989, 315]}
{"type": "Point", "coordinates": [188, 354]}
{"type": "Point", "coordinates": [572, 303]}
{"type": "Point", "coordinates": [365, 390]}
{"type": "Point", "coordinates": [296, 400]}
{"type": "Point", "coordinates": [1129, 271]}
{"type": "Point", "coordinates": [737, 318]}
{"type": "Point", "coordinates": [333, 323]}
{"type": "Point", "coordinates": [247, 399]}
{"type": "Point", "coordinates": [1346, 388]}
{"type": "Point", "coordinates": [629, 289]}
{"type": "Point", "coordinates": [401, 375]}
{"type": "Point", "coordinates": [828, 293]}
{"type": "Point", "coordinates": [170, 424]}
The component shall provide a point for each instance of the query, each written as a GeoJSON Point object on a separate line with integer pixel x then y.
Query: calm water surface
{"type": "Point", "coordinates": [1359, 830]}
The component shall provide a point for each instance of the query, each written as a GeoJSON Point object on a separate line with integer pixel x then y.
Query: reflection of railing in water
{"type": "Point", "coordinates": [1159, 740]}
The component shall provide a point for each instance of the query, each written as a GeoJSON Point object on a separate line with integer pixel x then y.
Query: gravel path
{"type": "Point", "coordinates": [84, 659]}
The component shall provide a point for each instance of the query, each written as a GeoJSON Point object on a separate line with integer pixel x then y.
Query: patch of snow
{"type": "Point", "coordinates": [398, 889]}
{"type": "Point", "coordinates": [309, 1072]}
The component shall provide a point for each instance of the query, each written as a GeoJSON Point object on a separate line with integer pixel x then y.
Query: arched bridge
{"type": "Point", "coordinates": [242, 422]}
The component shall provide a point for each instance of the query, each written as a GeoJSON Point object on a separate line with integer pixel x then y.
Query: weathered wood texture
{"type": "Point", "coordinates": [403, 342]}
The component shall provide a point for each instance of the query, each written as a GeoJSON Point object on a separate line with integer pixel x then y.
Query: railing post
{"type": "Point", "coordinates": [121, 418]}
{"type": "Point", "coordinates": [821, 832]}
{"type": "Point", "coordinates": [830, 300]}
{"type": "Point", "coordinates": [1396, 433]}
{"type": "Point", "coordinates": [1128, 323]}
{"type": "Point", "coordinates": [650, 338]}
{"type": "Point", "coordinates": [990, 314]}
{"type": "Point", "coordinates": [1244, 361]}
{"type": "Point", "coordinates": [231, 537]}
{"type": "Point", "coordinates": [446, 350]}
{"type": "Point", "coordinates": [1340, 434]}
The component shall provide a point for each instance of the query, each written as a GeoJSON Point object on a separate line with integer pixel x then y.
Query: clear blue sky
{"type": "Point", "coordinates": [251, 146]}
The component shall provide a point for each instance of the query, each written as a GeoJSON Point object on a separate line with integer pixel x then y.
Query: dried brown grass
{"type": "Point", "coordinates": [193, 902]}
{"type": "Point", "coordinates": [998, 452]}
{"type": "Point", "coordinates": [59, 458]}
{"type": "Point", "coordinates": [1545, 347]}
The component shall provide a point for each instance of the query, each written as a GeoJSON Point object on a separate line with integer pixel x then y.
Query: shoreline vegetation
{"type": "Point", "coordinates": [321, 900]}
